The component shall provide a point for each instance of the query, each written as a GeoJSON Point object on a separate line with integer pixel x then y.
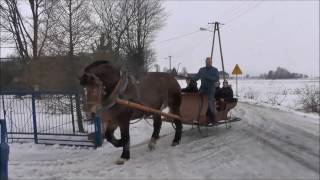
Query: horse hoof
{"type": "Point", "coordinates": [175, 143]}
{"type": "Point", "coordinates": [152, 144]}
{"type": "Point", "coordinates": [121, 161]}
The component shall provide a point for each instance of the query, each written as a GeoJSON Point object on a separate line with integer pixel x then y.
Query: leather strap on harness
{"type": "Point", "coordinates": [135, 82]}
{"type": "Point", "coordinates": [119, 89]}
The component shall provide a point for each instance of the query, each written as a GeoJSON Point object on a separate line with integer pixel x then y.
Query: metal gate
{"type": "Point", "coordinates": [47, 118]}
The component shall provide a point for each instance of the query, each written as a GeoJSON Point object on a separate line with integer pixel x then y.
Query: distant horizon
{"type": "Point", "coordinates": [250, 74]}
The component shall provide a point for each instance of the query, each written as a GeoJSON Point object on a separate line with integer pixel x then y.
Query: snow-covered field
{"type": "Point", "coordinates": [270, 142]}
{"type": "Point", "coordinates": [280, 94]}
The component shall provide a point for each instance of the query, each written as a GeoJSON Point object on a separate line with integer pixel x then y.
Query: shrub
{"type": "Point", "coordinates": [276, 98]}
{"type": "Point", "coordinates": [309, 98]}
{"type": "Point", "coordinates": [251, 94]}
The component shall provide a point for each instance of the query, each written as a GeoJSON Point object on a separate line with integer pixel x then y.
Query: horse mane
{"type": "Point", "coordinates": [96, 63]}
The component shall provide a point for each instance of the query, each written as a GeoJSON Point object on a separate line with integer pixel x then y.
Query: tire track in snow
{"type": "Point", "coordinates": [296, 151]}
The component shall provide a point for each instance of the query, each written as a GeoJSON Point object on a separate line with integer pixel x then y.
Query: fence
{"type": "Point", "coordinates": [47, 118]}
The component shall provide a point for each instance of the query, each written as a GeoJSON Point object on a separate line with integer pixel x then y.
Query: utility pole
{"type": "Point", "coordinates": [217, 28]}
{"type": "Point", "coordinates": [170, 63]}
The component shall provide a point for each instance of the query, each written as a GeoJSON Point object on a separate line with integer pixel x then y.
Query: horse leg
{"type": "Point", "coordinates": [156, 131]}
{"type": "Point", "coordinates": [177, 136]}
{"type": "Point", "coordinates": [125, 142]}
{"type": "Point", "coordinates": [109, 135]}
{"type": "Point", "coordinates": [174, 104]}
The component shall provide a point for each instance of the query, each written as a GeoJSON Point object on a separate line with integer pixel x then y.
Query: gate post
{"type": "Point", "coordinates": [34, 118]}
{"type": "Point", "coordinates": [79, 116]}
{"type": "Point", "coordinates": [4, 151]}
{"type": "Point", "coordinates": [72, 116]}
{"type": "Point", "coordinates": [97, 130]}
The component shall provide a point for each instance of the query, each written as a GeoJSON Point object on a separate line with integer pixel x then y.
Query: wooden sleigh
{"type": "Point", "coordinates": [194, 106]}
{"type": "Point", "coordinates": [193, 109]}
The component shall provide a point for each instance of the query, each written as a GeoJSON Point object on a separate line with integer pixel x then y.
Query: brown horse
{"type": "Point", "coordinates": [103, 83]}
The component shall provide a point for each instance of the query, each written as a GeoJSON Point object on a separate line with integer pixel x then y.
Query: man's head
{"type": "Point", "coordinates": [218, 84]}
{"type": "Point", "coordinates": [208, 61]}
{"type": "Point", "coordinates": [188, 81]}
{"type": "Point", "coordinates": [225, 83]}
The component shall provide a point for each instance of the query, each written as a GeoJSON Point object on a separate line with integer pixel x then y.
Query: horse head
{"type": "Point", "coordinates": [98, 81]}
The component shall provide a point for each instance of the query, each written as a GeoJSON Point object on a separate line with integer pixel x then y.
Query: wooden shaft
{"type": "Point", "coordinates": [146, 109]}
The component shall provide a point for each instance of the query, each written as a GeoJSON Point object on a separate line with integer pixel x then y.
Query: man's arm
{"type": "Point", "coordinates": [197, 76]}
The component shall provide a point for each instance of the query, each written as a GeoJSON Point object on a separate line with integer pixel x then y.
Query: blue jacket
{"type": "Point", "coordinates": [209, 76]}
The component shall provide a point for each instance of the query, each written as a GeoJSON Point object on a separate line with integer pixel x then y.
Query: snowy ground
{"type": "Point", "coordinates": [267, 144]}
{"type": "Point", "coordinates": [271, 142]}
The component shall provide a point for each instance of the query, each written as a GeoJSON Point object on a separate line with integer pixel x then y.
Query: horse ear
{"type": "Point", "coordinates": [79, 77]}
{"type": "Point", "coordinates": [84, 79]}
{"type": "Point", "coordinates": [87, 77]}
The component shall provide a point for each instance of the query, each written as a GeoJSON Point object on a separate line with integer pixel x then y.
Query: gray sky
{"type": "Point", "coordinates": [257, 35]}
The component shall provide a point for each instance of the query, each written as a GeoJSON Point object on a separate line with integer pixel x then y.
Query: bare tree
{"type": "Point", "coordinates": [114, 18]}
{"type": "Point", "coordinates": [184, 71]}
{"type": "Point", "coordinates": [29, 34]}
{"type": "Point", "coordinates": [129, 26]}
{"type": "Point", "coordinates": [157, 67]}
{"type": "Point", "coordinates": [148, 18]}
{"type": "Point", "coordinates": [73, 31]}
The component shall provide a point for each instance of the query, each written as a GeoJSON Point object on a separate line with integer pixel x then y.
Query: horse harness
{"type": "Point", "coordinates": [117, 92]}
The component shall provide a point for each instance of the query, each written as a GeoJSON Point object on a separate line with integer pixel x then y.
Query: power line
{"type": "Point", "coordinates": [235, 10]}
{"type": "Point", "coordinates": [178, 37]}
{"type": "Point", "coordinates": [191, 48]}
{"type": "Point", "coordinates": [244, 12]}
{"type": "Point", "coordinates": [232, 11]}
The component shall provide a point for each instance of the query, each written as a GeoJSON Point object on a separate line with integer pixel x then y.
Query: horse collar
{"type": "Point", "coordinates": [119, 89]}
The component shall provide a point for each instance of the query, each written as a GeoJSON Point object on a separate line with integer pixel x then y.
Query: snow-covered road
{"type": "Point", "coordinates": [267, 144]}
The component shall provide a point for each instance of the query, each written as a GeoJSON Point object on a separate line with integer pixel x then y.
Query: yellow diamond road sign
{"type": "Point", "coordinates": [236, 70]}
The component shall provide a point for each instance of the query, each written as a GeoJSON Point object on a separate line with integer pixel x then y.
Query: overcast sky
{"type": "Point", "coordinates": [257, 35]}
